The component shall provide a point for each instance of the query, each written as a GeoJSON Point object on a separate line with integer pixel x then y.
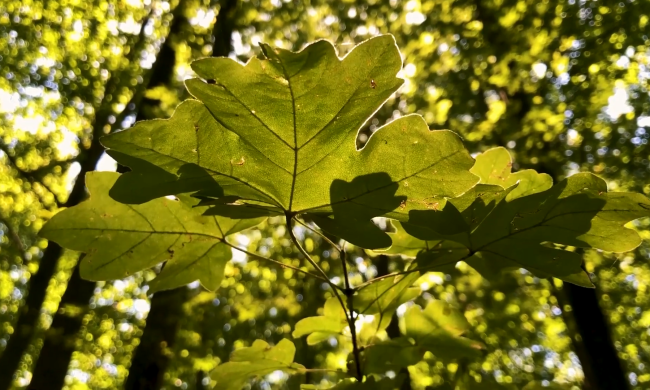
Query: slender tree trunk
{"type": "Point", "coordinates": [599, 354]}
{"type": "Point", "coordinates": [153, 355]}
{"type": "Point", "coordinates": [60, 340]}
{"type": "Point", "coordinates": [154, 351]}
{"type": "Point", "coordinates": [28, 316]}
{"type": "Point", "coordinates": [596, 352]}
{"type": "Point", "coordinates": [48, 368]}
{"type": "Point", "coordinates": [27, 322]}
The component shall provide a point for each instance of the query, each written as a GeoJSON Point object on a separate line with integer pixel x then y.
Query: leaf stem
{"type": "Point", "coordinates": [289, 219]}
{"type": "Point", "coordinates": [405, 272]}
{"type": "Point", "coordinates": [349, 293]}
{"type": "Point", "coordinates": [320, 234]}
{"type": "Point", "coordinates": [324, 370]}
{"type": "Point", "coordinates": [251, 254]}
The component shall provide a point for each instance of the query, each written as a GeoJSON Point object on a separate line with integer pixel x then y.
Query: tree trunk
{"type": "Point", "coordinates": [81, 290]}
{"type": "Point", "coordinates": [599, 358]}
{"type": "Point", "coordinates": [60, 340]}
{"type": "Point", "coordinates": [153, 355]}
{"type": "Point", "coordinates": [26, 324]}
{"type": "Point", "coordinates": [28, 316]}
{"type": "Point", "coordinates": [154, 351]}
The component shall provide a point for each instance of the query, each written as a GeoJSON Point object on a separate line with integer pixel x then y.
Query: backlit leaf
{"type": "Point", "coordinates": [437, 329]}
{"type": "Point", "coordinates": [320, 328]}
{"type": "Point", "coordinates": [282, 131]}
{"type": "Point", "coordinates": [255, 361]}
{"type": "Point", "coordinates": [501, 232]}
{"type": "Point", "coordinates": [121, 239]}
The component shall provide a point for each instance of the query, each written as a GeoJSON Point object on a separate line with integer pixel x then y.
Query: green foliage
{"type": "Point", "coordinates": [382, 298]}
{"type": "Point", "coordinates": [255, 361]}
{"type": "Point", "coordinates": [507, 225]}
{"type": "Point", "coordinates": [278, 137]}
{"type": "Point", "coordinates": [436, 329]}
{"type": "Point", "coordinates": [370, 384]}
{"type": "Point", "coordinates": [122, 239]}
{"type": "Point", "coordinates": [320, 328]}
{"type": "Point", "coordinates": [291, 145]}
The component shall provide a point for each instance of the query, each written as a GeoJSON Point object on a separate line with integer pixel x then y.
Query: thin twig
{"type": "Point", "coordinates": [251, 254]}
{"type": "Point", "coordinates": [311, 261]}
{"type": "Point", "coordinates": [14, 236]}
{"type": "Point", "coordinates": [324, 370]}
{"type": "Point", "coordinates": [349, 292]}
{"type": "Point", "coordinates": [405, 272]}
{"type": "Point", "coordinates": [320, 234]}
{"type": "Point", "coordinates": [29, 177]}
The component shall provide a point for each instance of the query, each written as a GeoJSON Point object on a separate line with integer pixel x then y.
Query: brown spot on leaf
{"type": "Point", "coordinates": [373, 85]}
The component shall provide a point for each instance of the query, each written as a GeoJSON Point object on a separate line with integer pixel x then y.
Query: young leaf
{"type": "Point", "coordinates": [369, 384]}
{"type": "Point", "coordinates": [120, 239]}
{"type": "Point", "coordinates": [577, 211]}
{"type": "Point", "coordinates": [494, 167]}
{"type": "Point", "coordinates": [508, 228]}
{"type": "Point", "coordinates": [403, 243]}
{"type": "Point", "coordinates": [382, 298]}
{"type": "Point", "coordinates": [282, 130]}
{"type": "Point", "coordinates": [255, 361]}
{"type": "Point", "coordinates": [437, 329]}
{"type": "Point", "coordinates": [321, 328]}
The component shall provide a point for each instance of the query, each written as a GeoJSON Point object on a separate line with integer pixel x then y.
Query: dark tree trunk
{"type": "Point", "coordinates": [28, 316]}
{"type": "Point", "coordinates": [590, 334]}
{"type": "Point", "coordinates": [57, 353]}
{"type": "Point", "coordinates": [153, 353]}
{"type": "Point", "coordinates": [601, 365]}
{"type": "Point", "coordinates": [26, 324]}
{"type": "Point", "coordinates": [59, 341]}
{"type": "Point", "coordinates": [599, 357]}
{"type": "Point", "coordinates": [152, 356]}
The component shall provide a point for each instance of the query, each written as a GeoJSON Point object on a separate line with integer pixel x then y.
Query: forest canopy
{"type": "Point", "coordinates": [379, 195]}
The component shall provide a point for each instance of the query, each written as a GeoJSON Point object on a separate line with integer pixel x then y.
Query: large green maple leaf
{"type": "Point", "coordinates": [280, 134]}
{"type": "Point", "coordinates": [122, 239]}
{"type": "Point", "coordinates": [517, 227]}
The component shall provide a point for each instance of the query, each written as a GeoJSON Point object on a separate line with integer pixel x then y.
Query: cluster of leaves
{"type": "Point", "coordinates": [277, 136]}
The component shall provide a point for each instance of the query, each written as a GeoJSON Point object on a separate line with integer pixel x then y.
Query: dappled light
{"type": "Point", "coordinates": [283, 215]}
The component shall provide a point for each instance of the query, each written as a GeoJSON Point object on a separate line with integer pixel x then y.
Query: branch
{"type": "Point", "coordinates": [28, 176]}
{"type": "Point", "coordinates": [320, 234]}
{"type": "Point", "coordinates": [14, 236]}
{"type": "Point", "coordinates": [311, 261]}
{"type": "Point", "coordinates": [251, 254]}
{"type": "Point", "coordinates": [406, 272]}
{"type": "Point", "coordinates": [349, 292]}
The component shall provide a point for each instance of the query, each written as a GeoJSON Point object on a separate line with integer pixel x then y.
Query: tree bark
{"type": "Point", "coordinates": [153, 355]}
{"type": "Point", "coordinates": [599, 358]}
{"type": "Point", "coordinates": [28, 316]}
{"type": "Point", "coordinates": [60, 340]}
{"type": "Point", "coordinates": [154, 351]}
{"type": "Point", "coordinates": [601, 365]}
{"type": "Point", "coordinates": [46, 369]}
